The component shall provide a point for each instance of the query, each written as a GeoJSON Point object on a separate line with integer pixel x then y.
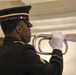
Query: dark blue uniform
{"type": "Point", "coordinates": [19, 59]}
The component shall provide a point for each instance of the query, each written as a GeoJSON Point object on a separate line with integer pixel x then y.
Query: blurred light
{"type": "Point", "coordinates": [36, 1]}
{"type": "Point", "coordinates": [54, 24]}
{"type": "Point", "coordinates": [7, 0]}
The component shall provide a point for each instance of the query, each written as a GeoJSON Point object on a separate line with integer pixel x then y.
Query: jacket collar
{"type": "Point", "coordinates": [9, 39]}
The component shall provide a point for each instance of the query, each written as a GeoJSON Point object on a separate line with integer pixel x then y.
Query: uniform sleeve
{"type": "Point", "coordinates": [57, 61]}
{"type": "Point", "coordinates": [37, 66]}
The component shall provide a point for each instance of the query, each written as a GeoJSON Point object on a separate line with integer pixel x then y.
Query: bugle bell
{"type": "Point", "coordinates": [68, 37]}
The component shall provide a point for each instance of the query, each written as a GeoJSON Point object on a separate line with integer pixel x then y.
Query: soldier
{"type": "Point", "coordinates": [17, 57]}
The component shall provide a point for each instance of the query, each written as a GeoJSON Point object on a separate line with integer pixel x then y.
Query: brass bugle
{"type": "Point", "coordinates": [68, 37]}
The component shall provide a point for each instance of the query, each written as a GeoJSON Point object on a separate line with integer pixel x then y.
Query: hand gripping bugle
{"type": "Point", "coordinates": [68, 37]}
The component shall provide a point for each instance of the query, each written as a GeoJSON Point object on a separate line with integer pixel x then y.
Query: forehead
{"type": "Point", "coordinates": [29, 25]}
{"type": "Point", "coordinates": [23, 23]}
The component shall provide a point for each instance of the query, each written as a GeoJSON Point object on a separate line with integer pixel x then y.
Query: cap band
{"type": "Point", "coordinates": [4, 16]}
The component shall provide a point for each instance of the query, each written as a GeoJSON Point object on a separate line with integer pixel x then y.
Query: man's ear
{"type": "Point", "coordinates": [18, 29]}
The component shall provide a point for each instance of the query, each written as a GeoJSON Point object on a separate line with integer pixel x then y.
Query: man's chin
{"type": "Point", "coordinates": [27, 41]}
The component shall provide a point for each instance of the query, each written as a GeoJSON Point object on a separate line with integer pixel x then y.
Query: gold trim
{"type": "Point", "coordinates": [14, 14]}
{"type": "Point", "coordinates": [58, 56]}
{"type": "Point", "coordinates": [19, 42]}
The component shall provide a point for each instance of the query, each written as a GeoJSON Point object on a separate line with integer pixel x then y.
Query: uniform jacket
{"type": "Point", "coordinates": [19, 59]}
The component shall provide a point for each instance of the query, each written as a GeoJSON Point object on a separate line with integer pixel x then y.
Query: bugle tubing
{"type": "Point", "coordinates": [68, 37]}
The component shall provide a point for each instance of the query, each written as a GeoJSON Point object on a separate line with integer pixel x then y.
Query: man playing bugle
{"type": "Point", "coordinates": [17, 57]}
